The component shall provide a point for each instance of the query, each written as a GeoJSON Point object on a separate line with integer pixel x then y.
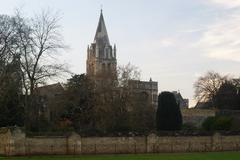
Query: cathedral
{"type": "Point", "coordinates": [101, 67]}
{"type": "Point", "coordinates": [102, 64]}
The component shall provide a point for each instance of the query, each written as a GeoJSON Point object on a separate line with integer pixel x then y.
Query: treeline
{"type": "Point", "coordinates": [217, 91]}
{"type": "Point", "coordinates": [110, 109]}
{"type": "Point", "coordinates": [28, 58]}
{"type": "Point", "coordinates": [221, 93]}
{"type": "Point", "coordinates": [106, 108]}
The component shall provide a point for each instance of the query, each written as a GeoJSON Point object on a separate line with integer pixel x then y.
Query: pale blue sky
{"type": "Point", "coordinates": [172, 41]}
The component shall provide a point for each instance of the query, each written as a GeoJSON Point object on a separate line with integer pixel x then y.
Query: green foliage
{"type": "Point", "coordinates": [168, 113]}
{"type": "Point", "coordinates": [79, 102]}
{"type": "Point", "coordinates": [208, 123]}
{"type": "Point", "coordinates": [217, 123]}
{"type": "Point", "coordinates": [106, 109]}
{"type": "Point", "coordinates": [189, 127]}
{"type": "Point", "coordinates": [119, 117]}
{"type": "Point", "coordinates": [11, 111]}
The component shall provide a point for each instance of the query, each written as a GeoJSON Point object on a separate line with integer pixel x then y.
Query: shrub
{"type": "Point", "coordinates": [168, 113]}
{"type": "Point", "coordinates": [217, 123]}
{"type": "Point", "coordinates": [189, 127]}
{"type": "Point", "coordinates": [208, 123]}
{"type": "Point", "coordinates": [223, 123]}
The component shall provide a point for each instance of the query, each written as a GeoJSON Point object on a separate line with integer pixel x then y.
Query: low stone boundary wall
{"type": "Point", "coordinates": [16, 143]}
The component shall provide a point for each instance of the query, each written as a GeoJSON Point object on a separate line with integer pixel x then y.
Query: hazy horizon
{"type": "Point", "coordinates": [173, 42]}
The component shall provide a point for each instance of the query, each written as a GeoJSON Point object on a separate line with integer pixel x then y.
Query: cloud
{"type": "Point", "coordinates": [159, 43]}
{"type": "Point", "coordinates": [221, 40]}
{"type": "Point", "coordinates": [166, 42]}
{"type": "Point", "coordinates": [154, 45]}
{"type": "Point", "coordinates": [226, 3]}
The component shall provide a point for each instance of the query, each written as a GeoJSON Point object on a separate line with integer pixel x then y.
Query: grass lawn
{"type": "Point", "coordinates": [167, 156]}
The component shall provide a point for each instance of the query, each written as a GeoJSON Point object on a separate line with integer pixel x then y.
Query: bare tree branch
{"type": "Point", "coordinates": [207, 86]}
{"type": "Point", "coordinates": [39, 40]}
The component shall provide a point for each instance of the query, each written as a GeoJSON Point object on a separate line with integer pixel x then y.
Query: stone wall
{"type": "Point", "coordinates": [196, 116]}
{"type": "Point", "coordinates": [5, 142]}
{"type": "Point", "coordinates": [16, 143]}
{"type": "Point", "coordinates": [46, 145]}
{"type": "Point", "coordinates": [110, 145]}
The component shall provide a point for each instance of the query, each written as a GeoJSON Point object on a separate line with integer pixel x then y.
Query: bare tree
{"type": "Point", "coordinates": [7, 42]}
{"type": "Point", "coordinates": [7, 34]}
{"type": "Point", "coordinates": [236, 83]}
{"type": "Point", "coordinates": [39, 40]}
{"type": "Point", "coordinates": [112, 101]}
{"type": "Point", "coordinates": [126, 73]}
{"type": "Point", "coordinates": [207, 86]}
{"type": "Point", "coordinates": [7, 47]}
{"type": "Point", "coordinates": [140, 112]}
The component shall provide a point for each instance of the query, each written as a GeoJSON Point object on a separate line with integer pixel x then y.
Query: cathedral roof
{"type": "Point", "coordinates": [101, 36]}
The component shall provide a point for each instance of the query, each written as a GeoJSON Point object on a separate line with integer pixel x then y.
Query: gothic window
{"type": "Point", "coordinates": [108, 52]}
{"type": "Point", "coordinates": [109, 67]}
{"type": "Point", "coordinates": [105, 52]}
{"type": "Point", "coordinates": [155, 98]}
{"type": "Point", "coordinates": [111, 53]}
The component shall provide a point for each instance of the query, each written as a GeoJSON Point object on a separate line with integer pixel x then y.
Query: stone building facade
{"type": "Point", "coordinates": [49, 100]}
{"type": "Point", "coordinates": [183, 102]}
{"type": "Point", "coordinates": [150, 88]}
{"type": "Point", "coordinates": [101, 66]}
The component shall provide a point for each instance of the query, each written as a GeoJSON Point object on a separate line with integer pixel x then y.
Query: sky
{"type": "Point", "coordinates": [173, 42]}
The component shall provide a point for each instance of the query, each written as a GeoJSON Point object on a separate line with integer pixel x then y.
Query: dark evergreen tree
{"type": "Point", "coordinates": [168, 116]}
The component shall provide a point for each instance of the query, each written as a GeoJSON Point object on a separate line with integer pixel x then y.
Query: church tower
{"type": "Point", "coordinates": [101, 56]}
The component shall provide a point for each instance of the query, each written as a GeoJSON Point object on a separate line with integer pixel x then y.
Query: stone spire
{"type": "Point", "coordinates": [101, 59]}
{"type": "Point", "coordinates": [101, 36]}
